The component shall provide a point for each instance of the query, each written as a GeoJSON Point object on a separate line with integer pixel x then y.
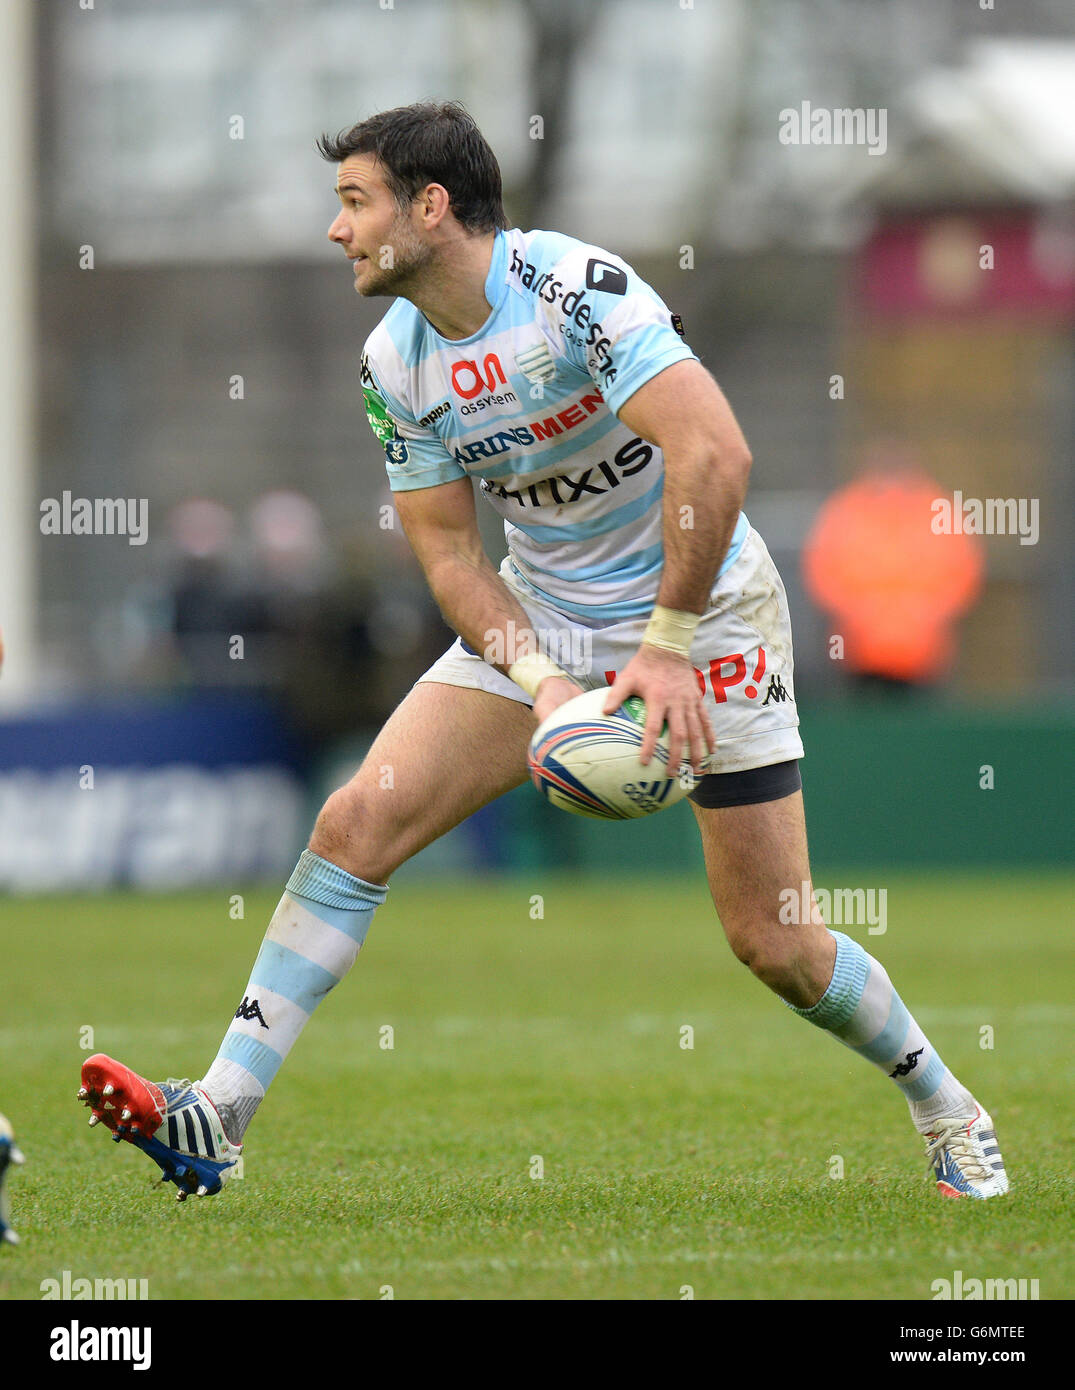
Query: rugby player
{"type": "Point", "coordinates": [549, 371]}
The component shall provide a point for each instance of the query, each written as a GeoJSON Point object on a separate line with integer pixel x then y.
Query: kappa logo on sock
{"type": "Point", "coordinates": [907, 1066]}
{"type": "Point", "coordinates": [250, 1009]}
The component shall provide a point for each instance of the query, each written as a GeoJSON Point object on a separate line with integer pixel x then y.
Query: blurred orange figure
{"type": "Point", "coordinates": [893, 586]}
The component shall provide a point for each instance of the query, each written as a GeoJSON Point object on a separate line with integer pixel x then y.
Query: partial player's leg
{"type": "Point", "coordinates": [752, 855]}
{"type": "Point", "coordinates": [444, 753]}
{"type": "Point", "coordinates": [759, 876]}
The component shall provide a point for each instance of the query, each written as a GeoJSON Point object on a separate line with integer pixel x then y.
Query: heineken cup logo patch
{"type": "Point", "coordinates": [382, 424]}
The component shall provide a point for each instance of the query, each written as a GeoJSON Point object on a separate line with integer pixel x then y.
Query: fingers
{"type": "Point", "coordinates": [553, 692]}
{"type": "Point", "coordinates": [671, 698]}
{"type": "Point", "coordinates": [690, 737]}
{"type": "Point", "coordinates": [684, 740]}
{"type": "Point", "coordinates": [655, 720]}
{"type": "Point", "coordinates": [618, 691]}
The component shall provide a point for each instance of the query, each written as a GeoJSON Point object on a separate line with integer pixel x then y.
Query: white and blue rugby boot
{"type": "Point", "coordinates": [174, 1122]}
{"type": "Point", "coordinates": [964, 1157]}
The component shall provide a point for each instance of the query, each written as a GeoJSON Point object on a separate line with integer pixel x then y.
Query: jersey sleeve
{"type": "Point", "coordinates": [415, 456]}
{"type": "Point", "coordinates": [614, 325]}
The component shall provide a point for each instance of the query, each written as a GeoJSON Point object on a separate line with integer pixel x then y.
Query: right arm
{"type": "Point", "coordinates": [442, 527]}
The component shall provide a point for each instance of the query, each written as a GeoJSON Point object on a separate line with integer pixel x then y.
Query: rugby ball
{"type": "Point", "coordinates": [588, 762]}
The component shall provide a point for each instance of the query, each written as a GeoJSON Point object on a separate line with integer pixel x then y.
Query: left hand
{"type": "Point", "coordinates": [553, 692]}
{"type": "Point", "coordinates": [670, 688]}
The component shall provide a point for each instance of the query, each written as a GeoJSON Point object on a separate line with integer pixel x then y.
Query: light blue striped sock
{"type": "Point", "coordinates": [311, 943]}
{"type": "Point", "coordinates": [861, 1008]}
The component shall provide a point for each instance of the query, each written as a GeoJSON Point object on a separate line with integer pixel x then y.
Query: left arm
{"type": "Point", "coordinates": [706, 463]}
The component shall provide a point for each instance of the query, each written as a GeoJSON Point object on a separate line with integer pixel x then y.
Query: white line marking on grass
{"type": "Point", "coordinates": [614, 1258]}
{"type": "Point", "coordinates": [1020, 1013]}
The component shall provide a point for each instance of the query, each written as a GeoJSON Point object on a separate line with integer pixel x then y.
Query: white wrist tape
{"type": "Point", "coordinates": [530, 670]}
{"type": "Point", "coordinates": [671, 630]}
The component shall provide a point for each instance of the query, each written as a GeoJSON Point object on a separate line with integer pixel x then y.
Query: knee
{"type": "Point", "coordinates": [795, 963]}
{"type": "Point", "coordinates": [344, 834]}
{"type": "Point", "coordinates": [338, 818]}
{"type": "Point", "coordinates": [775, 958]}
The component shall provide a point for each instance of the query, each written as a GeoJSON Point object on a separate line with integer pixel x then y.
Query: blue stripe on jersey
{"type": "Point", "coordinates": [599, 525]}
{"type": "Point", "coordinates": [545, 453]}
{"type": "Point", "coordinates": [643, 562]}
{"type": "Point", "coordinates": [446, 471]}
{"type": "Point", "coordinates": [627, 608]}
{"type": "Point", "coordinates": [612, 612]}
{"type": "Point", "coordinates": [619, 567]}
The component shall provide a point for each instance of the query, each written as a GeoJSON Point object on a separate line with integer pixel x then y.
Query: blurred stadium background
{"type": "Point", "coordinates": [175, 327]}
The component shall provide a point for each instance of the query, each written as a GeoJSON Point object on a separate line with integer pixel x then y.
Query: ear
{"type": "Point", "coordinates": [434, 204]}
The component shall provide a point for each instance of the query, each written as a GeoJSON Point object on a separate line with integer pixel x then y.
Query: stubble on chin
{"type": "Point", "coordinates": [383, 283]}
{"type": "Point", "coordinates": [410, 258]}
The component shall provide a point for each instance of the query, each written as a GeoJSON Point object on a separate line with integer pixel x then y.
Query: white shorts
{"type": "Point", "coordinates": [741, 653]}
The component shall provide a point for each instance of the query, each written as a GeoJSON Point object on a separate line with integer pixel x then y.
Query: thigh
{"type": "Point", "coordinates": [759, 875]}
{"type": "Point", "coordinates": [445, 752]}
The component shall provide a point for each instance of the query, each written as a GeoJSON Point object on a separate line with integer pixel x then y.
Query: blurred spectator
{"type": "Point", "coordinates": [892, 586]}
{"type": "Point", "coordinates": [202, 533]}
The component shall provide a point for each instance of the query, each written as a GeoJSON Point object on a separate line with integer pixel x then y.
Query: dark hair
{"type": "Point", "coordinates": [430, 142]}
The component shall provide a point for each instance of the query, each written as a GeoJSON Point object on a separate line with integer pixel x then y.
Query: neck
{"type": "Point", "coordinates": [451, 291]}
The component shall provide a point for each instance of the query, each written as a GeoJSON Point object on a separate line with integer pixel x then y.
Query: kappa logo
{"type": "Point", "coordinates": [249, 1009]}
{"type": "Point", "coordinates": [443, 409]}
{"type": "Point", "coordinates": [776, 692]}
{"type": "Point", "coordinates": [602, 275]}
{"type": "Point", "coordinates": [907, 1066]}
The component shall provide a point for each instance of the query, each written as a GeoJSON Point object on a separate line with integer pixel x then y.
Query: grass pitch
{"type": "Point", "coordinates": [537, 1129]}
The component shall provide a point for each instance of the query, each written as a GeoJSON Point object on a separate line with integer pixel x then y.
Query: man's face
{"type": "Point", "coordinates": [384, 242]}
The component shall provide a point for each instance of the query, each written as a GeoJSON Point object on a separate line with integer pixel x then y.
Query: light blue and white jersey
{"type": "Point", "coordinates": [528, 405]}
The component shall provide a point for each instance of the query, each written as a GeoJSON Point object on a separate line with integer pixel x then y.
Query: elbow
{"type": "Point", "coordinates": [734, 466]}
